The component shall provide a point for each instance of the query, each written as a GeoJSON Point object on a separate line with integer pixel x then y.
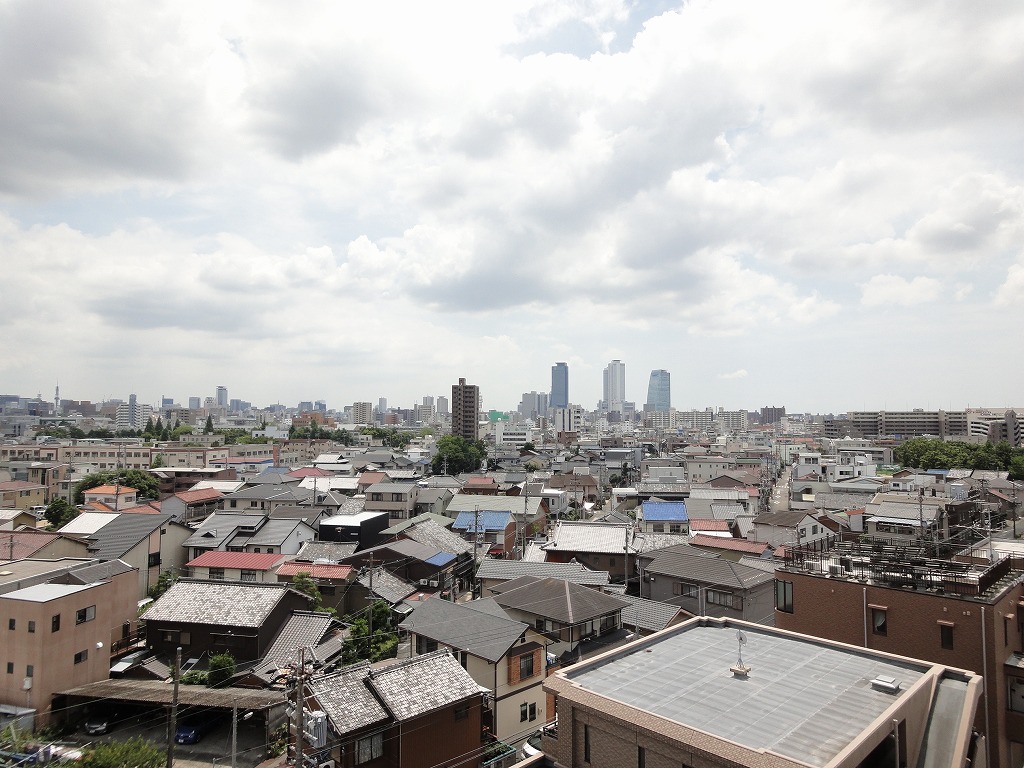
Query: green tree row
{"type": "Point", "coordinates": [457, 454]}
{"type": "Point", "coordinates": [928, 453]}
{"type": "Point", "coordinates": [319, 432]}
{"type": "Point", "coordinates": [139, 479]}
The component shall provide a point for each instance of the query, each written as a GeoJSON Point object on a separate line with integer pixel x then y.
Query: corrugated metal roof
{"type": "Point", "coordinates": [663, 511]}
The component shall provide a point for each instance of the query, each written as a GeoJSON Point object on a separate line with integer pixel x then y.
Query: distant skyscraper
{"type": "Point", "coordinates": [222, 397]}
{"type": "Point", "coordinates": [659, 392]}
{"type": "Point", "coordinates": [442, 405]}
{"type": "Point", "coordinates": [559, 386]}
{"type": "Point", "coordinates": [194, 404]}
{"type": "Point", "coordinates": [614, 385]}
{"type": "Point", "coordinates": [465, 409]}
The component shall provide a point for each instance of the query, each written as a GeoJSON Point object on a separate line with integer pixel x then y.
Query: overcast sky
{"type": "Point", "coordinates": [816, 205]}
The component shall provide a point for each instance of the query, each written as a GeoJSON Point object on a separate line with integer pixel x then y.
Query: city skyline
{"type": "Point", "coordinates": [817, 208]}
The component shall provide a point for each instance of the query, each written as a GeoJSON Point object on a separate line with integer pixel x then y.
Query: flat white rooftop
{"type": "Point", "coordinates": [803, 699]}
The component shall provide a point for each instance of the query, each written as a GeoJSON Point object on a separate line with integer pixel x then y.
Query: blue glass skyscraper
{"type": "Point", "coordinates": [559, 386]}
{"type": "Point", "coordinates": [659, 391]}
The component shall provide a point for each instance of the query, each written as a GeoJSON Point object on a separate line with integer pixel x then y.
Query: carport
{"type": "Point", "coordinates": [267, 705]}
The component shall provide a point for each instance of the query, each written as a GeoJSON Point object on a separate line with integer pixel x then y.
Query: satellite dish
{"type": "Point", "coordinates": [740, 637]}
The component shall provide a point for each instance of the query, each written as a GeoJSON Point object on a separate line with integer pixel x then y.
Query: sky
{"type": "Point", "coordinates": [817, 205]}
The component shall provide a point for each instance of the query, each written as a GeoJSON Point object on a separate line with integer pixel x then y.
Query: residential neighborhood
{"type": "Point", "coordinates": [533, 608]}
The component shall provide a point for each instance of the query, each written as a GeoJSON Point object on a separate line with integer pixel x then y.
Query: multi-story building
{"type": "Point", "coordinates": [772, 414]}
{"type": "Point", "coordinates": [720, 693]}
{"type": "Point", "coordinates": [465, 410]}
{"type": "Point", "coordinates": [614, 386]}
{"type": "Point", "coordinates": [659, 392]}
{"type": "Point", "coordinates": [534, 405]}
{"type": "Point", "coordinates": [133, 414]}
{"type": "Point", "coordinates": [362, 413]}
{"type": "Point", "coordinates": [222, 397]}
{"type": "Point", "coordinates": [896, 598]}
{"type": "Point", "coordinates": [559, 385]}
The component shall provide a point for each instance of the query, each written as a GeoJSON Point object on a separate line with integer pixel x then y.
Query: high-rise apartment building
{"type": "Point", "coordinates": [614, 386]}
{"type": "Point", "coordinates": [465, 409]}
{"type": "Point", "coordinates": [659, 392]}
{"type": "Point", "coordinates": [559, 385]}
{"type": "Point", "coordinates": [133, 415]}
{"type": "Point", "coordinates": [362, 413]}
{"type": "Point", "coordinates": [194, 404]}
{"type": "Point", "coordinates": [442, 405]}
{"type": "Point", "coordinates": [222, 397]}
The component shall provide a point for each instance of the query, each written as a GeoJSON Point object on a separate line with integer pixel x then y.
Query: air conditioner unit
{"type": "Point", "coordinates": [326, 764]}
{"type": "Point", "coordinates": [424, 582]}
{"type": "Point", "coordinates": [433, 582]}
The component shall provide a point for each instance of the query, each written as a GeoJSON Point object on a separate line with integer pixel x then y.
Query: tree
{"type": "Point", "coordinates": [208, 429]}
{"type": "Point", "coordinates": [220, 669]}
{"type": "Point", "coordinates": [381, 643]}
{"type": "Point", "coordinates": [527, 447]}
{"type": "Point", "coordinates": [157, 462]}
{"type": "Point", "coordinates": [59, 513]}
{"type": "Point", "coordinates": [163, 582]}
{"type": "Point", "coordinates": [135, 752]}
{"type": "Point", "coordinates": [303, 582]}
{"type": "Point", "coordinates": [142, 481]}
{"type": "Point", "coordinates": [455, 454]}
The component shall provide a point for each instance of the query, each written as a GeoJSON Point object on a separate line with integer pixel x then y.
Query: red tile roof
{"type": "Point", "coordinates": [15, 545]}
{"type": "Point", "coordinates": [250, 561]}
{"type": "Point", "coordinates": [481, 481]}
{"type": "Point", "coordinates": [309, 472]}
{"type": "Point", "coordinates": [708, 524]}
{"type": "Point", "coordinates": [197, 497]}
{"type": "Point", "coordinates": [372, 478]}
{"type": "Point", "coordinates": [734, 545]}
{"type": "Point", "coordinates": [149, 508]}
{"type": "Point", "coordinates": [111, 489]}
{"type": "Point", "coordinates": [18, 485]}
{"type": "Point", "coordinates": [315, 570]}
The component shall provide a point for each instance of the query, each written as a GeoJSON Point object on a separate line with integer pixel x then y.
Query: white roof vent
{"type": "Point", "coordinates": [886, 684]}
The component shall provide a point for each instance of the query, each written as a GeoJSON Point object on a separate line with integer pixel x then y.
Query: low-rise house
{"type": "Point", "coordinates": [567, 614]}
{"type": "Point", "coordinates": [420, 713]}
{"type": "Point", "coordinates": [397, 499]}
{"type": "Point", "coordinates": [530, 512]}
{"type": "Point", "coordinates": [364, 529]}
{"type": "Point", "coordinates": [333, 581]}
{"type": "Point", "coordinates": [645, 617]}
{"type": "Point", "coordinates": [111, 498]}
{"type": "Point", "coordinates": [663, 517]}
{"type": "Point", "coordinates": [59, 633]}
{"type": "Point", "coordinates": [433, 500]}
{"type": "Point", "coordinates": [22, 494]}
{"type": "Point", "coordinates": [208, 617]}
{"type": "Point", "coordinates": [13, 519]}
{"type": "Point", "coordinates": [706, 585]}
{"type": "Point", "coordinates": [494, 533]}
{"type": "Point", "coordinates": [265, 497]}
{"type": "Point", "coordinates": [233, 566]}
{"type": "Point", "coordinates": [493, 572]}
{"type": "Point", "coordinates": [598, 546]}
{"type": "Point", "coordinates": [505, 656]}
{"type": "Point", "coordinates": [189, 506]}
{"type": "Point", "coordinates": [16, 545]}
{"type": "Point", "coordinates": [227, 532]}
{"type": "Point", "coordinates": [795, 527]}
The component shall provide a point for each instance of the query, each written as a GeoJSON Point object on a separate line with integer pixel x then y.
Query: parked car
{"type": "Point", "coordinates": [192, 728]}
{"type": "Point", "coordinates": [101, 721]}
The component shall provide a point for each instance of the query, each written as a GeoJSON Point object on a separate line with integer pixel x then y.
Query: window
{"type": "Point", "coordinates": [256, 550]}
{"type": "Point", "coordinates": [11, 623]}
{"type": "Point", "coordinates": [524, 712]}
{"type": "Point", "coordinates": [533, 712]}
{"type": "Point", "coordinates": [154, 559]}
{"type": "Point", "coordinates": [30, 671]}
{"type": "Point", "coordinates": [425, 645]}
{"type": "Point", "coordinates": [728, 599]}
{"type": "Point", "coordinates": [217, 574]}
{"type": "Point", "coordinates": [641, 757]}
{"type": "Point", "coordinates": [369, 748]}
{"type": "Point", "coordinates": [83, 615]}
{"type": "Point", "coordinates": [784, 596]}
{"type": "Point", "coordinates": [526, 666]}
{"type": "Point", "coordinates": [397, 497]}
{"type": "Point", "coordinates": [32, 627]}
{"type": "Point", "coordinates": [814, 530]}
{"type": "Point", "coordinates": [55, 623]}
{"type": "Point", "coordinates": [879, 621]}
{"type": "Point", "coordinates": [248, 575]}
{"type": "Point", "coordinates": [946, 636]}
{"type": "Point", "coordinates": [586, 743]}
{"type": "Point", "coordinates": [675, 528]}
{"type": "Point", "coordinates": [376, 497]}
{"type": "Point", "coordinates": [658, 527]}
{"type": "Point", "coordinates": [10, 667]}
{"type": "Point", "coordinates": [685, 590]}
{"type": "Point", "coordinates": [81, 656]}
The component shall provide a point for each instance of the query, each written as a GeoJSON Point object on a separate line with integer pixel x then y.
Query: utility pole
{"type": "Point", "coordinates": [172, 726]}
{"type": "Point", "coordinates": [300, 710]}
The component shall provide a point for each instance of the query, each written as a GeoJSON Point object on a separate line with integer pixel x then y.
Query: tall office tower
{"type": "Point", "coordinates": [320, 406]}
{"type": "Point", "coordinates": [659, 392]}
{"type": "Point", "coordinates": [465, 409]}
{"type": "Point", "coordinates": [614, 385]}
{"type": "Point", "coordinates": [428, 400]}
{"type": "Point", "coordinates": [222, 397]}
{"type": "Point", "coordinates": [559, 385]}
{"type": "Point", "coordinates": [382, 405]}
{"type": "Point", "coordinates": [362, 413]}
{"type": "Point", "coordinates": [194, 404]}
{"type": "Point", "coordinates": [442, 405]}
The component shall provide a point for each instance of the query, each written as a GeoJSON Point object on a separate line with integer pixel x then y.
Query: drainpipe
{"type": "Point", "coordinates": [865, 616]}
{"type": "Point", "coordinates": [985, 679]}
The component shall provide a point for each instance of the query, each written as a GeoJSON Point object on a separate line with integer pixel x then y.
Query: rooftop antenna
{"type": "Point", "coordinates": [739, 669]}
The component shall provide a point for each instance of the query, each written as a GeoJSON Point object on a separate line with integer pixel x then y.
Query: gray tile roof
{"type": "Point", "coordinates": [274, 532]}
{"type": "Point", "coordinates": [215, 602]}
{"type": "Point", "coordinates": [387, 586]}
{"type": "Point", "coordinates": [423, 684]}
{"type": "Point", "coordinates": [512, 569]}
{"type": "Point", "coordinates": [589, 537]}
{"type": "Point", "coordinates": [459, 626]}
{"type": "Point", "coordinates": [430, 534]}
{"type": "Point", "coordinates": [556, 599]}
{"type": "Point", "coordinates": [90, 574]}
{"type": "Point", "coordinates": [647, 615]}
{"type": "Point", "coordinates": [122, 533]}
{"type": "Point", "coordinates": [400, 526]}
{"type": "Point", "coordinates": [726, 511]}
{"type": "Point", "coordinates": [335, 551]}
{"type": "Point", "coordinates": [221, 526]}
{"type": "Point", "coordinates": [785, 519]}
{"type": "Point", "coordinates": [347, 699]}
{"type": "Point", "coordinates": [303, 629]}
{"type": "Point", "coordinates": [682, 561]}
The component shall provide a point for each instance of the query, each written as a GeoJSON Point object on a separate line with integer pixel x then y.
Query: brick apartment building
{"type": "Point", "coordinates": [894, 598]}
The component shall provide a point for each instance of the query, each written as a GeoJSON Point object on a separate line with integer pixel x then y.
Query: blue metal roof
{"type": "Point", "coordinates": [489, 520]}
{"type": "Point", "coordinates": [440, 559]}
{"type": "Point", "coordinates": [659, 511]}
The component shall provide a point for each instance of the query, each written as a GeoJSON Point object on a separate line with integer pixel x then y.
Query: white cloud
{"type": "Point", "coordinates": [893, 290]}
{"type": "Point", "coordinates": [738, 374]}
